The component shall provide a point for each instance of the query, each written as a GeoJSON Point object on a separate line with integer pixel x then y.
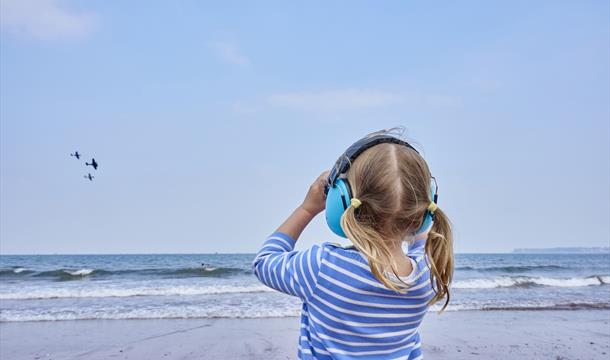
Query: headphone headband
{"type": "Point", "coordinates": [344, 162]}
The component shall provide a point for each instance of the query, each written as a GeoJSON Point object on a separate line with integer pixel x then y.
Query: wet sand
{"type": "Point", "coordinates": [582, 334]}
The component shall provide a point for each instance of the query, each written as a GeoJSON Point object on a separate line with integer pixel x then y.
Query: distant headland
{"type": "Point", "coordinates": [564, 250]}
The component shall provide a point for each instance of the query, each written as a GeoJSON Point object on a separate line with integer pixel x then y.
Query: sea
{"type": "Point", "coordinates": [75, 287]}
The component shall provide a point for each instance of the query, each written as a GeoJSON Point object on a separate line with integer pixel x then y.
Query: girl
{"type": "Point", "coordinates": [365, 301]}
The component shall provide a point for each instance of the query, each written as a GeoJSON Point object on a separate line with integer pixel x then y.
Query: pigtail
{"type": "Point", "coordinates": [439, 251]}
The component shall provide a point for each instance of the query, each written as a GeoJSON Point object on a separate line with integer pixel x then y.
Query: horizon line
{"type": "Point", "coordinates": [254, 253]}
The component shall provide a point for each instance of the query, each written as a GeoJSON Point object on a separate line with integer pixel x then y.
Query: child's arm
{"type": "Point", "coordinates": [277, 265]}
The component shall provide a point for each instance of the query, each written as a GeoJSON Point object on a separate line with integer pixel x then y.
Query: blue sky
{"type": "Point", "coordinates": [209, 121]}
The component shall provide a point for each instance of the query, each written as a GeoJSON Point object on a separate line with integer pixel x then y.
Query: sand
{"type": "Point", "coordinates": [582, 334]}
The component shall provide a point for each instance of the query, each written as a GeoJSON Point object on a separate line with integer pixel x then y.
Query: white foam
{"type": "Point", "coordinates": [19, 269]}
{"type": "Point", "coordinates": [80, 272]}
{"type": "Point", "coordinates": [571, 282]}
{"type": "Point", "coordinates": [287, 307]}
{"type": "Point", "coordinates": [516, 281]}
{"type": "Point", "coordinates": [86, 292]}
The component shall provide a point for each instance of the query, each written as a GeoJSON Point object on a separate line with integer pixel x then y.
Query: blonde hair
{"type": "Point", "coordinates": [393, 184]}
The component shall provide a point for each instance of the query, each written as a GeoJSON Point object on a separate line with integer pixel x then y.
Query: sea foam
{"type": "Point", "coordinates": [102, 292]}
{"type": "Point", "coordinates": [80, 272]}
{"type": "Point", "coordinates": [526, 281]}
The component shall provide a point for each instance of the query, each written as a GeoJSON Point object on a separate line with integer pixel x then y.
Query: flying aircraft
{"type": "Point", "coordinates": [93, 163]}
{"type": "Point", "coordinates": [88, 176]}
{"type": "Point", "coordinates": [76, 155]}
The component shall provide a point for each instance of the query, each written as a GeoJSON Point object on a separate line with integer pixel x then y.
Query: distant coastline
{"type": "Point", "coordinates": [563, 250]}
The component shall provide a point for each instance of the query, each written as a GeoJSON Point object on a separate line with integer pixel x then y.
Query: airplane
{"type": "Point", "coordinates": [93, 163]}
{"type": "Point", "coordinates": [76, 155]}
{"type": "Point", "coordinates": [88, 176]}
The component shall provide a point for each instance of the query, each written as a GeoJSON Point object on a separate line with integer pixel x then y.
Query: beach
{"type": "Point", "coordinates": [211, 306]}
{"type": "Point", "coordinates": [551, 334]}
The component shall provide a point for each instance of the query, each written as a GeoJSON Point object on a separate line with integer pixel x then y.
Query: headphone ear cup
{"type": "Point", "coordinates": [337, 201]}
{"type": "Point", "coordinates": [429, 217]}
{"type": "Point", "coordinates": [427, 224]}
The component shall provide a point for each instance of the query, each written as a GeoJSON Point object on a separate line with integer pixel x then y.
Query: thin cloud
{"type": "Point", "coordinates": [332, 100]}
{"type": "Point", "coordinates": [229, 53]}
{"type": "Point", "coordinates": [345, 100]}
{"type": "Point", "coordinates": [44, 20]}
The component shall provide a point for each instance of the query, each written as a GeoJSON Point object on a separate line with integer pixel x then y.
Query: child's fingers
{"type": "Point", "coordinates": [323, 177]}
{"type": "Point", "coordinates": [321, 180]}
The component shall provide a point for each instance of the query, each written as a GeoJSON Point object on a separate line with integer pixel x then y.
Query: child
{"type": "Point", "coordinates": [365, 301]}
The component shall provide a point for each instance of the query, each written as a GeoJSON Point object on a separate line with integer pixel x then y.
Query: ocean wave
{"type": "Point", "coordinates": [80, 272]}
{"type": "Point", "coordinates": [281, 310]}
{"type": "Point", "coordinates": [101, 292]}
{"type": "Point", "coordinates": [15, 271]}
{"type": "Point", "coordinates": [167, 312]}
{"type": "Point", "coordinates": [68, 274]}
{"type": "Point", "coordinates": [561, 306]}
{"type": "Point", "coordinates": [64, 274]}
{"type": "Point", "coordinates": [514, 268]}
{"type": "Point", "coordinates": [533, 306]}
{"type": "Point", "coordinates": [527, 281]}
{"type": "Point", "coordinates": [202, 271]}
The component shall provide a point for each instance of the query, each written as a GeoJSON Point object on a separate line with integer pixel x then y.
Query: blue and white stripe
{"type": "Point", "coordinates": [347, 313]}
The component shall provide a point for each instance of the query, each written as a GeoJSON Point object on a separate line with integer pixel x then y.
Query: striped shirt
{"type": "Point", "coordinates": [347, 313]}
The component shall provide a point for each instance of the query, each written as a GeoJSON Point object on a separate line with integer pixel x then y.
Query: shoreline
{"type": "Point", "coordinates": [559, 308]}
{"type": "Point", "coordinates": [489, 334]}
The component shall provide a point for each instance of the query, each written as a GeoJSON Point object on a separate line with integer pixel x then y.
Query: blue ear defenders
{"type": "Point", "coordinates": [338, 191]}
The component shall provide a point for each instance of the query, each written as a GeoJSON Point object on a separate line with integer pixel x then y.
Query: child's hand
{"type": "Point", "coordinates": [315, 201]}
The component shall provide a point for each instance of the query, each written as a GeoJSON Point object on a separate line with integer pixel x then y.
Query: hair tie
{"type": "Point", "coordinates": [355, 203]}
{"type": "Point", "coordinates": [432, 207]}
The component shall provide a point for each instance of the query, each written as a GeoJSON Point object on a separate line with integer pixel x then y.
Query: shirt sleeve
{"type": "Point", "coordinates": [280, 267]}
